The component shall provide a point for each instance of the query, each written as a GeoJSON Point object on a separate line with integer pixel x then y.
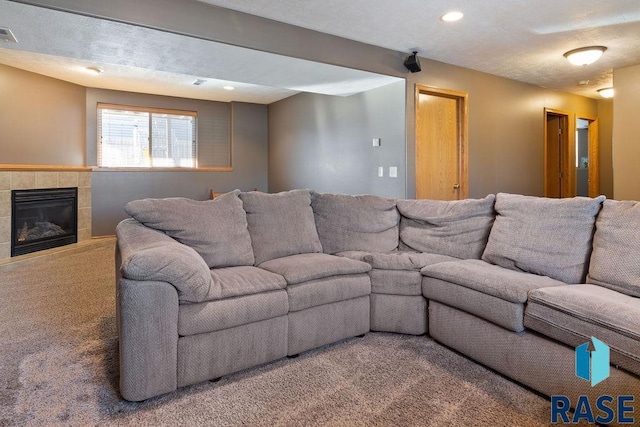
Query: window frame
{"type": "Point", "coordinates": [151, 110]}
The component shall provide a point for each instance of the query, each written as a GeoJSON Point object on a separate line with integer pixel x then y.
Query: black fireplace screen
{"type": "Point", "coordinates": [43, 219]}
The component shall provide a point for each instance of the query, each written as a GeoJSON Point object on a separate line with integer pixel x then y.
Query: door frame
{"type": "Point", "coordinates": [594, 154]}
{"type": "Point", "coordinates": [462, 99]}
{"type": "Point", "coordinates": [569, 161]}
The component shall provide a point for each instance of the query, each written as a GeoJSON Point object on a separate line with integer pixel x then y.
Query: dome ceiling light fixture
{"type": "Point", "coordinates": [585, 55]}
{"type": "Point", "coordinates": [606, 92]}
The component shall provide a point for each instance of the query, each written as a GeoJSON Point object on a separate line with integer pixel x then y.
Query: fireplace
{"type": "Point", "coordinates": [43, 219]}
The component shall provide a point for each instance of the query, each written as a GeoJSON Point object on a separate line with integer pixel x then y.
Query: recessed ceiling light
{"type": "Point", "coordinates": [606, 92]}
{"type": "Point", "coordinates": [452, 16]}
{"type": "Point", "coordinates": [94, 70]}
{"type": "Point", "coordinates": [229, 88]}
{"type": "Point", "coordinates": [585, 55]}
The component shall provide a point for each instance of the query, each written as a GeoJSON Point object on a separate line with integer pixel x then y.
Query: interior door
{"type": "Point", "coordinates": [594, 159]}
{"type": "Point", "coordinates": [559, 170]}
{"type": "Point", "coordinates": [441, 172]}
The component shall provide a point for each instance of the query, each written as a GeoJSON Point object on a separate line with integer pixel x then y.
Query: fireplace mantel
{"type": "Point", "coordinates": [45, 168]}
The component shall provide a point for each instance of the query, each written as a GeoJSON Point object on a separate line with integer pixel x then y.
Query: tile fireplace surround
{"type": "Point", "coordinates": [32, 179]}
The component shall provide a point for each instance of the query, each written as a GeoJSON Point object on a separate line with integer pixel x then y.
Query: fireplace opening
{"type": "Point", "coordinates": [43, 219]}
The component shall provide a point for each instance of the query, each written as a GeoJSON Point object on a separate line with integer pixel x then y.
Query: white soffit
{"type": "Point", "coordinates": [136, 59]}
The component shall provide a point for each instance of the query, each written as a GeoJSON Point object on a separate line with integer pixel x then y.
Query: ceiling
{"type": "Point", "coordinates": [62, 45]}
{"type": "Point", "coordinates": [522, 40]}
{"type": "Point", "coordinates": [518, 39]}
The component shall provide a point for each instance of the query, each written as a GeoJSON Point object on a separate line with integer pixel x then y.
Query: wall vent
{"type": "Point", "coordinates": [7, 36]}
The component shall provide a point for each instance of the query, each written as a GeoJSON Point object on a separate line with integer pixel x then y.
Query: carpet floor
{"type": "Point", "coordinates": [59, 366]}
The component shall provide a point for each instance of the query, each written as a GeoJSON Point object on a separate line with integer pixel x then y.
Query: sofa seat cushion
{"type": "Point", "coordinates": [246, 280]}
{"type": "Point", "coordinates": [216, 229]}
{"type": "Point", "coordinates": [280, 224]}
{"type": "Point", "coordinates": [491, 292]}
{"type": "Point", "coordinates": [364, 223]}
{"type": "Point", "coordinates": [458, 228]}
{"type": "Point", "coordinates": [227, 313]}
{"type": "Point", "coordinates": [397, 260]}
{"type": "Point", "coordinates": [304, 267]}
{"type": "Point", "coordinates": [574, 314]}
{"type": "Point", "coordinates": [550, 237]}
{"type": "Point", "coordinates": [396, 282]}
{"type": "Point", "coordinates": [327, 290]}
{"type": "Point", "coordinates": [615, 261]}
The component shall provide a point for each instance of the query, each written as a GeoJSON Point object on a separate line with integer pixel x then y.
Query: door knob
{"type": "Point", "coordinates": [456, 186]}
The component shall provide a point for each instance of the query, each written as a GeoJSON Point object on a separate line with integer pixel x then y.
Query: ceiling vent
{"type": "Point", "coordinates": [7, 36]}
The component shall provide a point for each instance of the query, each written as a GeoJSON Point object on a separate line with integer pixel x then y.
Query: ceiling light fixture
{"type": "Point", "coordinates": [585, 55]}
{"type": "Point", "coordinates": [452, 16]}
{"type": "Point", "coordinates": [229, 88]}
{"type": "Point", "coordinates": [198, 82]}
{"type": "Point", "coordinates": [606, 92]}
{"type": "Point", "coordinates": [94, 70]}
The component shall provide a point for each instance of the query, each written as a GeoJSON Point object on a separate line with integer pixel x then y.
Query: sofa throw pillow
{"type": "Point", "coordinates": [549, 237]}
{"type": "Point", "coordinates": [355, 223]}
{"type": "Point", "coordinates": [615, 261]}
{"type": "Point", "coordinates": [458, 228]}
{"type": "Point", "coordinates": [280, 224]}
{"type": "Point", "coordinates": [215, 229]}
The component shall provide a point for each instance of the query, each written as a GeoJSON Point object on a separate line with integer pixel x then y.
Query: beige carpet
{"type": "Point", "coordinates": [58, 366]}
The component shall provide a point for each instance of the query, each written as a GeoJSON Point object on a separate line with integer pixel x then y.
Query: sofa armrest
{"type": "Point", "coordinates": [150, 255]}
{"type": "Point", "coordinates": [147, 314]}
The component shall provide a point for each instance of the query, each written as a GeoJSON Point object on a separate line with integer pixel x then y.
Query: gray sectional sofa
{"type": "Point", "coordinates": [208, 288]}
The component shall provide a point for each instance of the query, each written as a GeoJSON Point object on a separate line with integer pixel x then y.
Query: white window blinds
{"type": "Point", "coordinates": [140, 137]}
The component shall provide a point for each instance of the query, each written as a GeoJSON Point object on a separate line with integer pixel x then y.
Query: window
{"type": "Point", "coordinates": [145, 137]}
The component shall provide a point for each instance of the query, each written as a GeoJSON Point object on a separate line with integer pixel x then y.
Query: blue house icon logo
{"type": "Point", "coordinates": [592, 364]}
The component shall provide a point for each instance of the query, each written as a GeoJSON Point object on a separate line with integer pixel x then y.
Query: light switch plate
{"type": "Point", "coordinates": [393, 171]}
{"type": "Point", "coordinates": [376, 142]}
{"type": "Point", "coordinates": [380, 172]}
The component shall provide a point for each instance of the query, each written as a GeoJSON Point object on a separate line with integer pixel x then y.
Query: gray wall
{"type": "Point", "coordinates": [325, 142]}
{"type": "Point", "coordinates": [42, 120]}
{"type": "Point", "coordinates": [112, 190]}
{"type": "Point", "coordinates": [505, 117]}
{"type": "Point", "coordinates": [626, 128]}
{"type": "Point", "coordinates": [605, 146]}
{"type": "Point", "coordinates": [506, 124]}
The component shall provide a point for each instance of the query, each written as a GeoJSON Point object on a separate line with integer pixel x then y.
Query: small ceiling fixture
{"type": "Point", "coordinates": [606, 92]}
{"type": "Point", "coordinates": [94, 70]}
{"type": "Point", "coordinates": [585, 55]}
{"type": "Point", "coordinates": [452, 16]}
{"type": "Point", "coordinates": [198, 82]}
{"type": "Point", "coordinates": [228, 88]}
{"type": "Point", "coordinates": [412, 62]}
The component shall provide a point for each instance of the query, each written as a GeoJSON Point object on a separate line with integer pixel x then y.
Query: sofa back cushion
{"type": "Point", "coordinates": [615, 261]}
{"type": "Point", "coordinates": [355, 223]}
{"type": "Point", "coordinates": [215, 229]}
{"type": "Point", "coordinates": [457, 228]}
{"type": "Point", "coordinates": [550, 237]}
{"type": "Point", "coordinates": [280, 224]}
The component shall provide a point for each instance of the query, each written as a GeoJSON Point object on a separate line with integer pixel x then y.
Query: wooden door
{"type": "Point", "coordinates": [553, 169]}
{"type": "Point", "coordinates": [441, 172]}
{"type": "Point", "coordinates": [594, 159]}
{"type": "Point", "coordinates": [559, 155]}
